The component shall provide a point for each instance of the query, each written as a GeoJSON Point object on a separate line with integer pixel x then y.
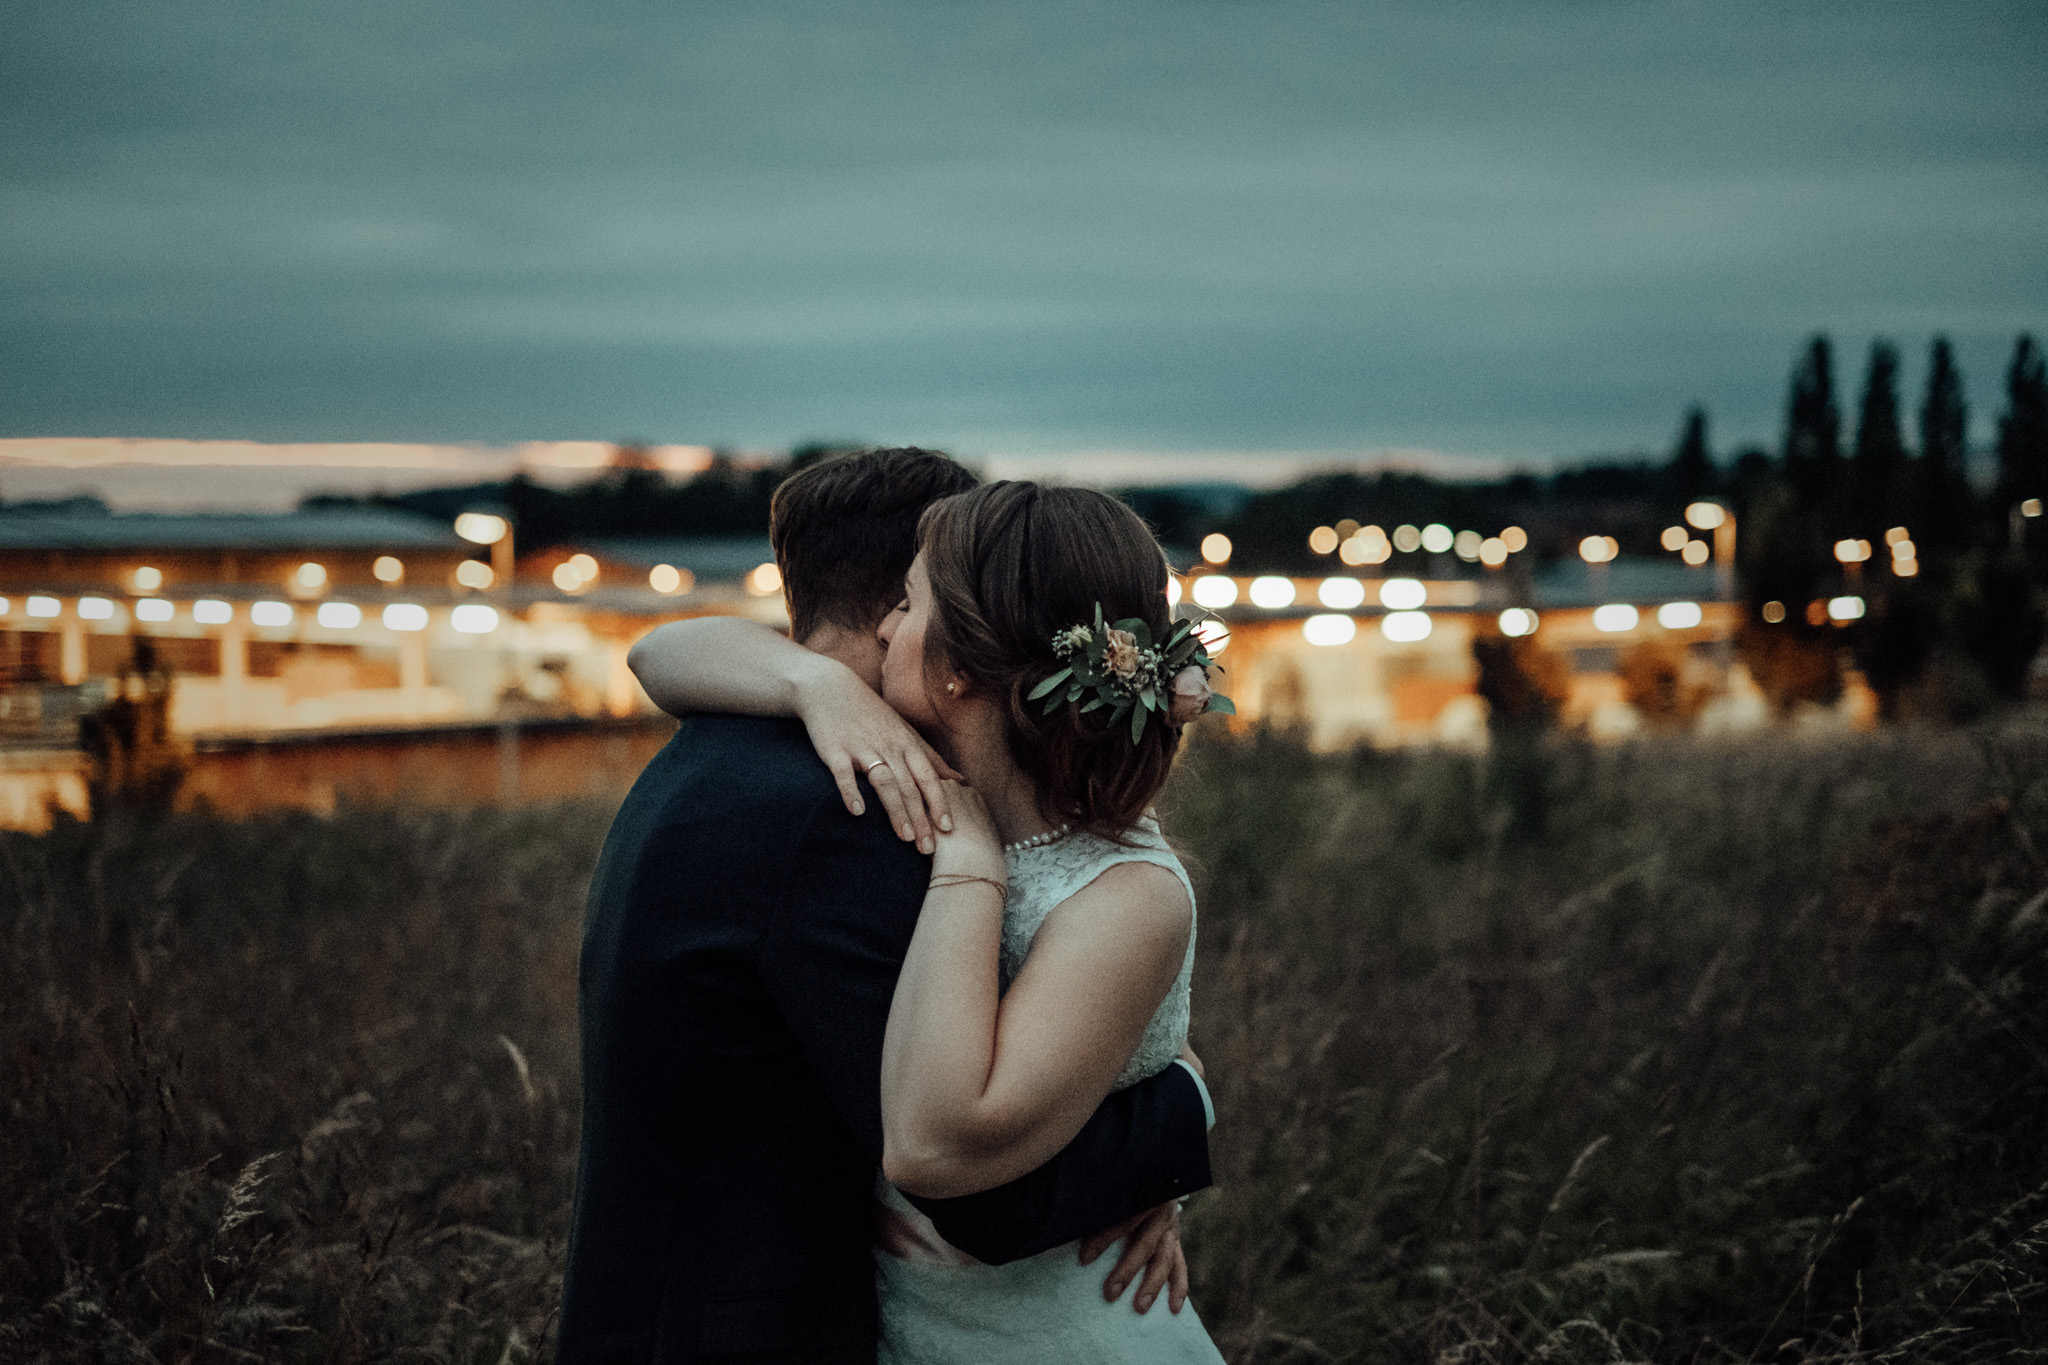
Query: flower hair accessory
{"type": "Point", "coordinates": [1119, 667]}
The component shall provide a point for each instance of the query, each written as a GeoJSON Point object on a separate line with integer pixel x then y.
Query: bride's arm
{"type": "Point", "coordinates": [722, 663]}
{"type": "Point", "coordinates": [977, 1089]}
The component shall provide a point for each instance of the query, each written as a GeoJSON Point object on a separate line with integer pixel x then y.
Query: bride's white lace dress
{"type": "Point", "coordinates": [939, 1306]}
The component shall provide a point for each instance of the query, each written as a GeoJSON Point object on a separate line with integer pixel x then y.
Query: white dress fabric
{"type": "Point", "coordinates": [940, 1306]}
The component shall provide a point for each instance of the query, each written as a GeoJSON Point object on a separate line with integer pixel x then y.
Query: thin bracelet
{"type": "Point", "coordinates": [942, 880]}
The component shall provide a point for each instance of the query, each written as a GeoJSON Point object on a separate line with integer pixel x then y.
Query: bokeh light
{"type": "Point", "coordinates": [1341, 594]}
{"type": "Point", "coordinates": [1271, 591]}
{"type": "Point", "coordinates": [1615, 617]}
{"type": "Point", "coordinates": [1329, 629]}
{"type": "Point", "coordinates": [1679, 615]}
{"type": "Point", "coordinates": [1406, 627]}
{"type": "Point", "coordinates": [1518, 621]}
{"type": "Point", "coordinates": [1403, 594]}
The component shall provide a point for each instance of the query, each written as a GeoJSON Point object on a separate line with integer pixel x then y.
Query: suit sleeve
{"type": "Point", "coordinates": [854, 893]}
{"type": "Point", "coordinates": [1145, 1144]}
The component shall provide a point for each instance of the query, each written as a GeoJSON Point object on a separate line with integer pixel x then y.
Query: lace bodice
{"type": "Point", "coordinates": [1043, 876]}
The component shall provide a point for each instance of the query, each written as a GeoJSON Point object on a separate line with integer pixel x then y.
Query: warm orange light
{"type": "Point", "coordinates": [1323, 540]}
{"type": "Point", "coordinates": [1705, 516]}
{"type": "Point", "coordinates": [1852, 551]}
{"type": "Point", "coordinates": [1516, 539]}
{"type": "Point", "coordinates": [1774, 612]}
{"type": "Point", "coordinates": [1674, 538]}
{"type": "Point", "coordinates": [764, 580]}
{"type": "Point", "coordinates": [1897, 534]}
{"type": "Point", "coordinates": [1216, 548]}
{"type": "Point", "coordinates": [148, 579]}
{"type": "Point", "coordinates": [1695, 553]}
{"type": "Point", "coordinates": [311, 577]}
{"type": "Point", "coordinates": [474, 573]}
{"type": "Point", "coordinates": [667, 578]}
{"type": "Point", "coordinates": [1493, 552]}
{"type": "Point", "coordinates": [1598, 549]}
{"type": "Point", "coordinates": [482, 528]}
{"type": "Point", "coordinates": [388, 569]}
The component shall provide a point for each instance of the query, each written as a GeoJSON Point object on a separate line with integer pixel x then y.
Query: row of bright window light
{"type": "Point", "coordinates": [1360, 545]}
{"type": "Point", "coordinates": [1404, 622]}
{"type": "Point", "coordinates": [470, 618]}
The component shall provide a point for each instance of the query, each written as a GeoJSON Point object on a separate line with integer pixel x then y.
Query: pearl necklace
{"type": "Point", "coordinates": [1039, 840]}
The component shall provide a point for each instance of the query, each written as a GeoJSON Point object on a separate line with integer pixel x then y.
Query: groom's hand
{"type": "Point", "coordinates": [1152, 1245]}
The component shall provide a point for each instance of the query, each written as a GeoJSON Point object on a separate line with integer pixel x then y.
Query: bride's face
{"type": "Point", "coordinates": [904, 684]}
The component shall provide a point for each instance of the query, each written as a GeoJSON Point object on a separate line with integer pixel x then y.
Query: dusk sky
{"type": "Point", "coordinates": [1492, 232]}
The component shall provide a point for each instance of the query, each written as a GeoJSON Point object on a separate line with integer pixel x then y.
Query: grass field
{"type": "Point", "coordinates": [1671, 1052]}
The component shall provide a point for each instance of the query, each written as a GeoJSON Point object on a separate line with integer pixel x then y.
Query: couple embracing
{"type": "Point", "coordinates": [884, 984]}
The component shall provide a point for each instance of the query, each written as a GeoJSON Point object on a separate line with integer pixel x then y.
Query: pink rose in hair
{"type": "Point", "coordinates": [1121, 655]}
{"type": "Point", "coordinates": [1190, 695]}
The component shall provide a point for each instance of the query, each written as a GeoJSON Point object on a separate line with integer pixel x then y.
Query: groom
{"type": "Point", "coordinates": [742, 944]}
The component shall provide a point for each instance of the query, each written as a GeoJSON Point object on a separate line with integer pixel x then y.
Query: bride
{"type": "Point", "coordinates": [1035, 651]}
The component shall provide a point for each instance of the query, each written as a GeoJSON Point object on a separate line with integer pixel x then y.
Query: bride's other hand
{"type": "Point", "coordinates": [970, 845]}
{"type": "Point", "coordinates": [1152, 1245]}
{"type": "Point", "coordinates": [857, 735]}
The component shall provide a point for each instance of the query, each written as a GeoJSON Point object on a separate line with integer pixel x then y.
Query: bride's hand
{"type": "Point", "coordinates": [970, 845]}
{"type": "Point", "coordinates": [1151, 1244]}
{"type": "Point", "coordinates": [856, 735]}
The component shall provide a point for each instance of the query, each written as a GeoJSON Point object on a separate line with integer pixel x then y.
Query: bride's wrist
{"type": "Point", "coordinates": [812, 680]}
{"type": "Point", "coordinates": [952, 860]}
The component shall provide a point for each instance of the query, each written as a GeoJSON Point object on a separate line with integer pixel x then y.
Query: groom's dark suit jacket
{"type": "Point", "coordinates": [743, 941]}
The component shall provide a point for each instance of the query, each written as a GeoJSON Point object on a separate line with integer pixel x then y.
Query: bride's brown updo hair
{"type": "Point", "coordinates": [1012, 563]}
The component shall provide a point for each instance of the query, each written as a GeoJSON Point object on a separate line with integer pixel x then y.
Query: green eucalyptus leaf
{"type": "Point", "coordinates": [1049, 684]}
{"type": "Point", "coordinates": [1219, 702]}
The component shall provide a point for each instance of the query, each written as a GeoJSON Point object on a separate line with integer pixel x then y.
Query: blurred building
{"type": "Point", "coordinates": [1390, 660]}
{"type": "Point", "coordinates": [328, 640]}
{"type": "Point", "coordinates": [310, 657]}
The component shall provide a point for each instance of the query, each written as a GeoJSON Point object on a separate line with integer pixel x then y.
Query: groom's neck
{"type": "Point", "coordinates": [859, 650]}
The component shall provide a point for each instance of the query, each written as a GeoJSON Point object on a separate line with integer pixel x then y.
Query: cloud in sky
{"type": "Point", "coordinates": [1516, 231]}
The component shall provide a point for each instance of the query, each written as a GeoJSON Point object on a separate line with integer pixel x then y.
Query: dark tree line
{"type": "Point", "coordinates": [1955, 636]}
{"type": "Point", "coordinates": [1962, 629]}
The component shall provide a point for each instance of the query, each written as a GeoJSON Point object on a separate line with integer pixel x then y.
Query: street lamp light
{"type": "Point", "coordinates": [488, 528]}
{"type": "Point", "coordinates": [1712, 516]}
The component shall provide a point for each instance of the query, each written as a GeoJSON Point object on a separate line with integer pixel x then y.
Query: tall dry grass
{"type": "Point", "coordinates": [1673, 1052]}
{"type": "Point", "coordinates": [1678, 1052]}
{"type": "Point", "coordinates": [291, 1090]}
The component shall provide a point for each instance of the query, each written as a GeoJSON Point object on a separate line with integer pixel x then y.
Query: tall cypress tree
{"type": "Point", "coordinates": [1946, 508]}
{"type": "Point", "coordinates": [1691, 471]}
{"type": "Point", "coordinates": [2023, 430]}
{"type": "Point", "coordinates": [1877, 467]}
{"type": "Point", "coordinates": [1813, 429]}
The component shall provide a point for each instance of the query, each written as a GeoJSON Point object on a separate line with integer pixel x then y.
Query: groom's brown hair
{"type": "Point", "coordinates": [844, 531]}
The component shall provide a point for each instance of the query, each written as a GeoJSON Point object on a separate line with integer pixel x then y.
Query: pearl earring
{"type": "Point", "coordinates": [951, 688]}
